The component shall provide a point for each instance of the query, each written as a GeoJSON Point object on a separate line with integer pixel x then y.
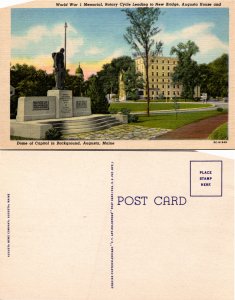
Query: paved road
{"type": "Point", "coordinates": [186, 110]}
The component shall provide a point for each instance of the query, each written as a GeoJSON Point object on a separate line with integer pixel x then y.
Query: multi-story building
{"type": "Point", "coordinates": [160, 81]}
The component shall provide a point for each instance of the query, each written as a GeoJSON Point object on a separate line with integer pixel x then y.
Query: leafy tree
{"type": "Point", "coordinates": [140, 35]}
{"type": "Point", "coordinates": [204, 77]}
{"type": "Point", "coordinates": [99, 103]}
{"type": "Point", "coordinates": [133, 81]}
{"type": "Point", "coordinates": [74, 83]}
{"type": "Point", "coordinates": [109, 79]}
{"type": "Point", "coordinates": [214, 77]}
{"type": "Point", "coordinates": [110, 72]}
{"type": "Point", "coordinates": [28, 81]}
{"type": "Point", "coordinates": [218, 85]}
{"type": "Point", "coordinates": [186, 72]}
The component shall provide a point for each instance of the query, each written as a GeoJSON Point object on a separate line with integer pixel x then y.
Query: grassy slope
{"type": "Point", "coordinates": [220, 133]}
{"type": "Point", "coordinates": [171, 122]}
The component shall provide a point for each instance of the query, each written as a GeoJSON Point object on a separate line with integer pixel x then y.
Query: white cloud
{"type": "Point", "coordinates": [49, 38]}
{"type": "Point", "coordinates": [94, 51]}
{"type": "Point", "coordinates": [115, 54]}
{"type": "Point", "coordinates": [209, 44]}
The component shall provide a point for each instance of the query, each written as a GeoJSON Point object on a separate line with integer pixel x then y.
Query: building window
{"type": "Point", "coordinates": [168, 93]}
{"type": "Point", "coordinates": [162, 67]}
{"type": "Point", "coordinates": [163, 61]}
{"type": "Point", "coordinates": [163, 74]}
{"type": "Point", "coordinates": [168, 86]}
{"type": "Point", "coordinates": [152, 92]}
{"type": "Point", "coordinates": [168, 74]}
{"type": "Point", "coordinates": [168, 62]}
{"type": "Point", "coordinates": [168, 68]}
{"type": "Point", "coordinates": [162, 80]}
{"type": "Point", "coordinates": [152, 73]}
{"type": "Point", "coordinates": [152, 67]}
{"type": "Point", "coordinates": [174, 93]}
{"type": "Point", "coordinates": [157, 73]}
{"type": "Point", "coordinates": [163, 86]}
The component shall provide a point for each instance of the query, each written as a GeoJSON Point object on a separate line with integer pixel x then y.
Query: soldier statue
{"type": "Point", "coordinates": [59, 69]}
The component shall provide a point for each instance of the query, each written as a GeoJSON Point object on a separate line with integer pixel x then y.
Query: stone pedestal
{"type": "Point", "coordinates": [35, 108]}
{"type": "Point", "coordinates": [64, 103]}
{"type": "Point", "coordinates": [81, 106]}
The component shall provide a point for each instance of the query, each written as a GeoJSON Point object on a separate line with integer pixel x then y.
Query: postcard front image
{"type": "Point", "coordinates": [83, 76]}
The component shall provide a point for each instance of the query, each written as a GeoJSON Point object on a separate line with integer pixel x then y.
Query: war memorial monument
{"type": "Point", "coordinates": [59, 109]}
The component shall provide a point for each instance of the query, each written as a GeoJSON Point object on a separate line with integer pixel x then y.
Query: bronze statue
{"type": "Point", "coordinates": [59, 69]}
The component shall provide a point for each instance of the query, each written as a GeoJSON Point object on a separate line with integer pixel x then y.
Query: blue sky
{"type": "Point", "coordinates": [95, 35]}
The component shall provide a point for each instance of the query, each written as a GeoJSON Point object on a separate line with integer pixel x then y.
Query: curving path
{"type": "Point", "coordinates": [197, 130]}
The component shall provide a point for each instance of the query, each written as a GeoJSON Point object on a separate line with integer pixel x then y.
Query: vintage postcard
{"type": "Point", "coordinates": [124, 225]}
{"type": "Point", "coordinates": [117, 75]}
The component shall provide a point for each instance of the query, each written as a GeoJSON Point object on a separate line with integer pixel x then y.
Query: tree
{"type": "Point", "coordinates": [186, 72]}
{"type": "Point", "coordinates": [110, 72]}
{"type": "Point", "coordinates": [219, 76]}
{"type": "Point", "coordinates": [133, 82]}
{"type": "Point", "coordinates": [99, 103]}
{"type": "Point", "coordinates": [28, 81]}
{"type": "Point", "coordinates": [204, 76]}
{"type": "Point", "coordinates": [214, 77]}
{"type": "Point", "coordinates": [140, 35]}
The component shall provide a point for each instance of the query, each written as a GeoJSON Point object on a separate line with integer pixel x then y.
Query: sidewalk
{"type": "Point", "coordinates": [198, 130]}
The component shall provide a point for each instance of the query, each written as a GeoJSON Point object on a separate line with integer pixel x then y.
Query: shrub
{"type": "Point", "coordinates": [133, 118]}
{"type": "Point", "coordinates": [113, 110]}
{"type": "Point", "coordinates": [220, 109]}
{"type": "Point", "coordinates": [125, 111]}
{"type": "Point", "coordinates": [220, 133]}
{"type": "Point", "coordinates": [53, 134]}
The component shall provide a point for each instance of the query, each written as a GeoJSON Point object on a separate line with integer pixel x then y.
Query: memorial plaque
{"type": "Point", "coordinates": [40, 105]}
{"type": "Point", "coordinates": [81, 106]}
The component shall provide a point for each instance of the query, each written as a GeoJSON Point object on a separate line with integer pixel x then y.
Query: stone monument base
{"type": "Point", "coordinates": [60, 110]}
{"type": "Point", "coordinates": [30, 129]}
{"type": "Point", "coordinates": [81, 124]}
{"type": "Point", "coordinates": [58, 104]}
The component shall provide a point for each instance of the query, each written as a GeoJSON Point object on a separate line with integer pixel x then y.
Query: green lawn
{"type": "Point", "coordinates": [220, 133]}
{"type": "Point", "coordinates": [171, 122]}
{"type": "Point", "coordinates": [140, 106]}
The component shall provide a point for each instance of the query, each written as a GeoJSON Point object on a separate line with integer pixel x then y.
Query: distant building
{"type": "Point", "coordinates": [160, 81]}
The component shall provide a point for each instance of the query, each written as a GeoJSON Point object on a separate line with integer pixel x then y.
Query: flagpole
{"type": "Point", "coordinates": [65, 38]}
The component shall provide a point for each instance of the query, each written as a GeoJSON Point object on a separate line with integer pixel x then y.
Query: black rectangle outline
{"type": "Point", "coordinates": [221, 186]}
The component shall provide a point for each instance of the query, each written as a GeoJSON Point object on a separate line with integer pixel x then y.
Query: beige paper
{"type": "Point", "coordinates": [68, 229]}
{"type": "Point", "coordinates": [5, 60]}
